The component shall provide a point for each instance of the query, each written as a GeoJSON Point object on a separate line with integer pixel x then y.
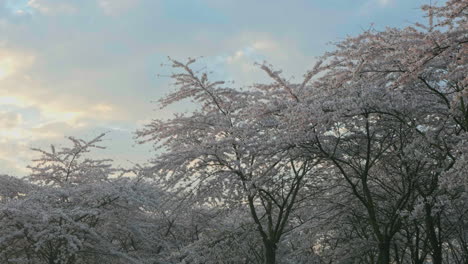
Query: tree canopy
{"type": "Point", "coordinates": [364, 160]}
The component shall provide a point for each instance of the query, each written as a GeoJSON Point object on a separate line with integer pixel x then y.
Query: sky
{"type": "Point", "coordinates": [84, 67]}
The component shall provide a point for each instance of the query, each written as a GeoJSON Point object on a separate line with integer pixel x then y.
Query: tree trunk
{"type": "Point", "coordinates": [436, 252]}
{"type": "Point", "coordinates": [437, 256]}
{"type": "Point", "coordinates": [270, 252]}
{"type": "Point", "coordinates": [384, 252]}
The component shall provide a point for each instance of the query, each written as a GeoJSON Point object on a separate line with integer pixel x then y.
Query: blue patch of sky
{"type": "Point", "coordinates": [19, 7]}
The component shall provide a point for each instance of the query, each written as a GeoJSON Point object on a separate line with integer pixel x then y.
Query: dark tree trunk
{"type": "Point", "coordinates": [436, 252]}
{"type": "Point", "coordinates": [437, 256]}
{"type": "Point", "coordinates": [384, 252]}
{"type": "Point", "coordinates": [270, 252]}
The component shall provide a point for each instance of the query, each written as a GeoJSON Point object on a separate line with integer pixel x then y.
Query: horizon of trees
{"type": "Point", "coordinates": [365, 160]}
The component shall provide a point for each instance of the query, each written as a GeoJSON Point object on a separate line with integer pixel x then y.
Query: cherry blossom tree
{"type": "Point", "coordinates": [364, 160]}
{"type": "Point", "coordinates": [69, 166]}
{"type": "Point", "coordinates": [226, 154]}
{"type": "Point", "coordinates": [80, 211]}
{"type": "Point", "coordinates": [389, 122]}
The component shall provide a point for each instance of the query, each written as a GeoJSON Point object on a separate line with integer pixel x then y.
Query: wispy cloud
{"type": "Point", "coordinates": [11, 62]}
{"type": "Point", "coordinates": [10, 120]}
{"type": "Point", "coordinates": [373, 5]}
{"type": "Point", "coordinates": [385, 2]}
{"type": "Point", "coordinates": [116, 7]}
{"type": "Point", "coordinates": [50, 7]}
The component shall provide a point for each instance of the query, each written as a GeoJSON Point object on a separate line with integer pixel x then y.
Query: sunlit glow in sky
{"type": "Point", "coordinates": [83, 67]}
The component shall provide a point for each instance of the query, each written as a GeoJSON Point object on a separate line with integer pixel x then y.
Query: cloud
{"type": "Point", "coordinates": [14, 140]}
{"type": "Point", "coordinates": [35, 109]}
{"type": "Point", "coordinates": [372, 5]}
{"type": "Point", "coordinates": [384, 3]}
{"type": "Point", "coordinates": [49, 7]}
{"type": "Point", "coordinates": [12, 62]}
{"type": "Point", "coordinates": [256, 50]}
{"type": "Point", "coordinates": [21, 87]}
{"type": "Point", "coordinates": [116, 7]}
{"type": "Point", "coordinates": [53, 130]}
{"type": "Point", "coordinates": [249, 48]}
{"type": "Point", "coordinates": [11, 100]}
{"type": "Point", "coordinates": [103, 108]}
{"type": "Point", "coordinates": [9, 120]}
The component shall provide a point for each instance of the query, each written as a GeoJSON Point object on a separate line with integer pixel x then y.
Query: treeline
{"type": "Point", "coordinates": [365, 160]}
